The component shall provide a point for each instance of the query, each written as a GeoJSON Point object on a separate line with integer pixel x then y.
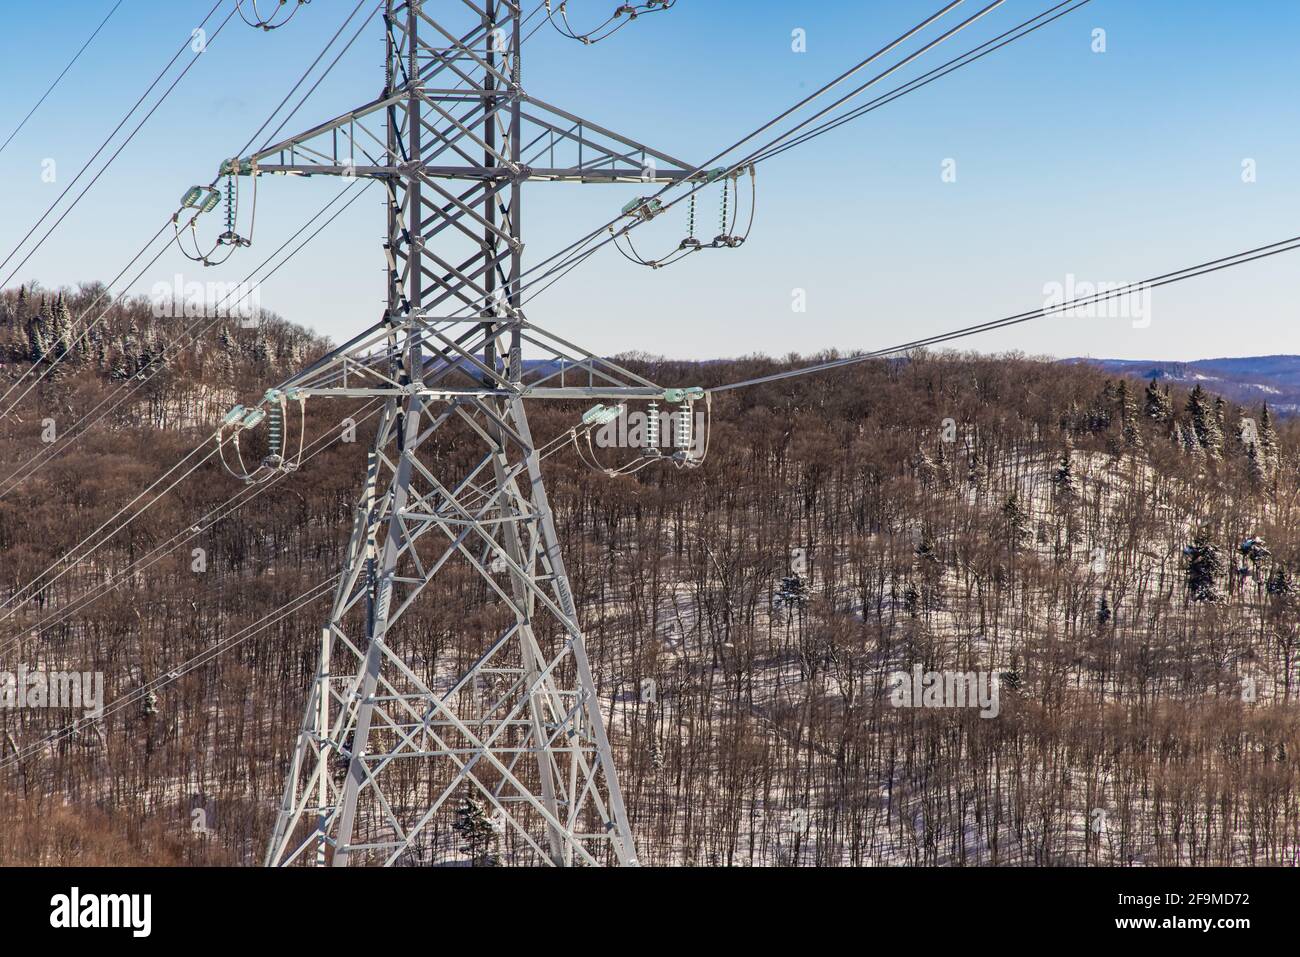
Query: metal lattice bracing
{"type": "Point", "coordinates": [391, 745]}
{"type": "Point", "coordinates": [392, 742]}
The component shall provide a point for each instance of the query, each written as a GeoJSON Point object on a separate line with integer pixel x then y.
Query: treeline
{"type": "Point", "coordinates": [1121, 554]}
{"type": "Point", "coordinates": [67, 330]}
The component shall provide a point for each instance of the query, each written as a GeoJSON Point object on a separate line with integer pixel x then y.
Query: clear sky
{"type": "Point", "coordinates": [1109, 167]}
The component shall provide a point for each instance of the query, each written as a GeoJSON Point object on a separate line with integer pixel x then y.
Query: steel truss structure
{"type": "Point", "coordinates": [392, 744]}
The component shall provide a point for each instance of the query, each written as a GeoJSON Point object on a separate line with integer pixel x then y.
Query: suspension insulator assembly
{"type": "Point", "coordinates": [269, 23]}
{"type": "Point", "coordinates": [651, 447]}
{"type": "Point", "coordinates": [645, 208]}
{"type": "Point", "coordinates": [624, 14]}
{"type": "Point", "coordinates": [272, 411]}
{"type": "Point", "coordinates": [683, 433]}
{"type": "Point", "coordinates": [205, 199]}
{"type": "Point", "coordinates": [688, 451]}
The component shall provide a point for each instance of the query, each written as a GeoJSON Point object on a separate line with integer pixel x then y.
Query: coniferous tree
{"type": "Point", "coordinates": [1158, 406]}
{"type": "Point", "coordinates": [1016, 521]}
{"type": "Point", "coordinates": [1204, 565]}
{"type": "Point", "coordinates": [38, 341]}
{"type": "Point", "coordinates": [1104, 613]}
{"type": "Point", "coordinates": [1267, 439]}
{"type": "Point", "coordinates": [1131, 434]}
{"type": "Point", "coordinates": [1255, 465]}
{"type": "Point", "coordinates": [1063, 478]}
{"type": "Point", "coordinates": [1205, 416]}
{"type": "Point", "coordinates": [476, 832]}
{"type": "Point", "coordinates": [61, 330]}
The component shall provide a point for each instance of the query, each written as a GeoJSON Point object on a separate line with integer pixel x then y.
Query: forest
{"type": "Point", "coordinates": [1120, 555]}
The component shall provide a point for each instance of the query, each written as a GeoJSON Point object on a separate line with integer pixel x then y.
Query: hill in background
{"type": "Point", "coordinates": [1249, 380]}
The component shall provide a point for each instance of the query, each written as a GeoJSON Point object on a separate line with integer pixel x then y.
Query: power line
{"type": "Point", "coordinates": [38, 583]}
{"type": "Point", "coordinates": [343, 26]}
{"type": "Point", "coordinates": [1180, 275]}
{"type": "Point", "coordinates": [157, 363]}
{"type": "Point", "coordinates": [822, 91]}
{"type": "Point", "coordinates": [49, 366]}
{"type": "Point", "coordinates": [103, 146]}
{"type": "Point", "coordinates": [193, 529]}
{"type": "Point", "coordinates": [59, 78]}
{"type": "Point", "coordinates": [573, 255]}
{"type": "Point", "coordinates": [268, 620]}
{"type": "Point", "coordinates": [221, 647]}
{"type": "Point", "coordinates": [939, 72]}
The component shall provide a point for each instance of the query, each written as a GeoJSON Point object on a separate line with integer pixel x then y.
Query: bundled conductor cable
{"type": "Point", "coordinates": [624, 14]}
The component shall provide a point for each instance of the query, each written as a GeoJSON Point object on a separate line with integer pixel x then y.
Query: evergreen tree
{"type": "Point", "coordinates": [1204, 565]}
{"type": "Point", "coordinates": [1016, 520]}
{"type": "Point", "coordinates": [1267, 439]}
{"type": "Point", "coordinates": [1255, 551]}
{"type": "Point", "coordinates": [62, 333]}
{"type": "Point", "coordinates": [476, 833]}
{"type": "Point", "coordinates": [792, 595]}
{"type": "Point", "coordinates": [1158, 407]}
{"type": "Point", "coordinates": [1281, 584]}
{"type": "Point", "coordinates": [1259, 472]}
{"type": "Point", "coordinates": [1205, 415]}
{"type": "Point", "coordinates": [38, 340]}
{"type": "Point", "coordinates": [1067, 487]}
{"type": "Point", "coordinates": [1128, 411]}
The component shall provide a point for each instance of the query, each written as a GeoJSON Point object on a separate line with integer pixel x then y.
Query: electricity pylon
{"type": "Point", "coordinates": [394, 740]}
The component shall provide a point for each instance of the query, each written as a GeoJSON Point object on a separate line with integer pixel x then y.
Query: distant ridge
{"type": "Point", "coordinates": [1247, 380]}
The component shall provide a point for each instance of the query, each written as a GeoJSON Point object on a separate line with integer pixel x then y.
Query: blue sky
{"type": "Point", "coordinates": [1106, 166]}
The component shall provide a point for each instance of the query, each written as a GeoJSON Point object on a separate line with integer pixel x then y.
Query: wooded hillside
{"type": "Point", "coordinates": [1123, 557]}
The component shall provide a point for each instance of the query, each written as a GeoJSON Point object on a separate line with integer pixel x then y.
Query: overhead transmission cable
{"type": "Point", "coordinates": [205, 199]}
{"type": "Point", "coordinates": [269, 23]}
{"type": "Point", "coordinates": [67, 189]}
{"type": "Point", "coordinates": [306, 96]}
{"type": "Point", "coordinates": [1129, 289]}
{"type": "Point", "coordinates": [733, 165]}
{"type": "Point", "coordinates": [59, 78]}
{"type": "Point", "coordinates": [967, 58]}
{"type": "Point", "coordinates": [157, 363]}
{"type": "Point", "coordinates": [51, 451]}
{"type": "Point", "coordinates": [777, 147]}
{"type": "Point", "coordinates": [244, 495]}
{"type": "Point", "coordinates": [560, 263]}
{"type": "Point", "coordinates": [576, 253]}
{"type": "Point", "coordinates": [624, 14]}
{"type": "Point", "coordinates": [310, 596]}
{"type": "Point", "coordinates": [211, 653]}
{"type": "Point", "coordinates": [39, 583]}
{"type": "Point", "coordinates": [811, 97]}
{"type": "Point", "coordinates": [45, 362]}
{"type": "Point", "coordinates": [569, 258]}
{"type": "Point", "coordinates": [174, 221]}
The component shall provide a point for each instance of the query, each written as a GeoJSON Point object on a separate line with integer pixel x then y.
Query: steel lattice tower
{"type": "Point", "coordinates": [390, 743]}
